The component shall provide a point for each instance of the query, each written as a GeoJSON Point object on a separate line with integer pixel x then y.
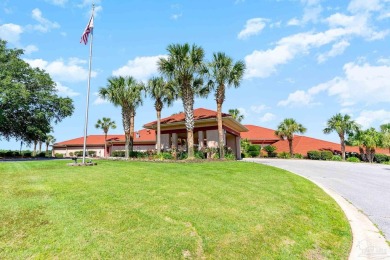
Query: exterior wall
{"type": "Point", "coordinates": [212, 138]}
{"type": "Point", "coordinates": [164, 142]}
{"type": "Point", "coordinates": [67, 150]}
{"type": "Point", "coordinates": [231, 142]}
{"type": "Point", "coordinates": [139, 148]}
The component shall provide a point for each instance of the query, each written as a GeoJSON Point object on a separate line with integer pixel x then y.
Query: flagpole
{"type": "Point", "coordinates": [88, 90]}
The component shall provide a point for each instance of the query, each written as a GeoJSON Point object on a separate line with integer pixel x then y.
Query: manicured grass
{"type": "Point", "coordinates": [141, 210]}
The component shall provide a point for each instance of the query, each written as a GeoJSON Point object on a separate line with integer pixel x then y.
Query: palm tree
{"type": "Point", "coordinates": [286, 130]}
{"type": "Point", "coordinates": [236, 114]}
{"type": "Point", "coordinates": [184, 67]}
{"type": "Point", "coordinates": [49, 140]}
{"type": "Point", "coordinates": [343, 125]}
{"type": "Point", "coordinates": [223, 73]}
{"type": "Point", "coordinates": [162, 93]}
{"type": "Point", "coordinates": [105, 124]}
{"type": "Point", "coordinates": [117, 92]}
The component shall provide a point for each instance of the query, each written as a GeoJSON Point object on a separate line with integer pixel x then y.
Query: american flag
{"type": "Point", "coordinates": [87, 31]}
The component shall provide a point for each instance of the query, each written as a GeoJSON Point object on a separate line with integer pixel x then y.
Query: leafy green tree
{"type": "Point", "coordinates": [105, 124]}
{"type": "Point", "coordinates": [286, 130]}
{"type": "Point", "coordinates": [223, 73]}
{"type": "Point", "coordinates": [185, 69]}
{"type": "Point", "coordinates": [162, 93]}
{"type": "Point", "coordinates": [29, 103]}
{"type": "Point", "coordinates": [342, 125]}
{"type": "Point", "coordinates": [236, 114]}
{"type": "Point", "coordinates": [370, 139]}
{"type": "Point", "coordinates": [124, 92]}
{"type": "Point", "coordinates": [385, 132]}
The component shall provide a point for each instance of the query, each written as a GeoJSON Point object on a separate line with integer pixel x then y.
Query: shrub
{"type": "Point", "coordinates": [353, 159]}
{"type": "Point", "coordinates": [91, 153]}
{"type": "Point", "coordinates": [298, 156]}
{"type": "Point", "coordinates": [199, 155]}
{"type": "Point", "coordinates": [253, 150]}
{"type": "Point", "coordinates": [381, 158]}
{"type": "Point", "coordinates": [71, 154]}
{"type": "Point", "coordinates": [41, 154]}
{"type": "Point", "coordinates": [326, 155]}
{"type": "Point", "coordinates": [284, 155]}
{"type": "Point", "coordinates": [243, 155]}
{"type": "Point", "coordinates": [182, 155]}
{"type": "Point", "coordinates": [336, 158]}
{"type": "Point", "coordinates": [167, 156]}
{"type": "Point", "coordinates": [270, 149]}
{"type": "Point", "coordinates": [314, 155]}
{"type": "Point", "coordinates": [27, 153]}
{"type": "Point", "coordinates": [230, 156]}
{"type": "Point", "coordinates": [78, 153]}
{"type": "Point", "coordinates": [9, 153]}
{"type": "Point", "coordinates": [118, 153]}
{"type": "Point", "coordinates": [59, 155]}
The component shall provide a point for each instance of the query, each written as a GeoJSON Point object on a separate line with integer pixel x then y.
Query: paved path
{"type": "Point", "coordinates": [366, 186]}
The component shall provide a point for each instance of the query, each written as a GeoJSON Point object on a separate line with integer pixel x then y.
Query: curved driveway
{"type": "Point", "coordinates": [366, 186]}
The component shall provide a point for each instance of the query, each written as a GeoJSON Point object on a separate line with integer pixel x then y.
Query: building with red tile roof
{"type": "Point", "coordinates": [144, 139]}
{"type": "Point", "coordinates": [259, 135]}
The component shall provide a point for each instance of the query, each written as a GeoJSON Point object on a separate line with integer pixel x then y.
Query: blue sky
{"type": "Point", "coordinates": [306, 59]}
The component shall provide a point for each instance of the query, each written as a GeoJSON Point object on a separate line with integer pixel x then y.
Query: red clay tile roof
{"type": "Point", "coordinates": [144, 135]}
{"type": "Point", "coordinates": [258, 133]}
{"type": "Point", "coordinates": [199, 113]}
{"type": "Point", "coordinates": [303, 144]}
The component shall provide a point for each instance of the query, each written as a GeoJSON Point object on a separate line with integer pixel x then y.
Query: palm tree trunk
{"type": "Point", "coordinates": [158, 131]}
{"type": "Point", "coordinates": [221, 140]}
{"type": "Point", "coordinates": [126, 128]}
{"type": "Point", "coordinates": [342, 147]}
{"type": "Point", "coordinates": [290, 145]}
{"type": "Point", "coordinates": [40, 146]}
{"type": "Point", "coordinates": [47, 148]}
{"type": "Point", "coordinates": [188, 104]}
{"type": "Point", "coordinates": [190, 144]}
{"type": "Point", "coordinates": [131, 132]}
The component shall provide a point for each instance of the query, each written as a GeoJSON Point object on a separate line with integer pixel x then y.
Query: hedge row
{"type": "Point", "coordinates": [320, 155]}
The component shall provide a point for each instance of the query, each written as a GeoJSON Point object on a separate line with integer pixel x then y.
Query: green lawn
{"type": "Point", "coordinates": [142, 210]}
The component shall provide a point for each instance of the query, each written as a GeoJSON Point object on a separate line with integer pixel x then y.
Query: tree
{"type": "Point", "coordinates": [105, 124]}
{"type": "Point", "coordinates": [236, 114]}
{"type": "Point", "coordinates": [49, 140]}
{"type": "Point", "coordinates": [123, 92]}
{"type": "Point", "coordinates": [286, 130]}
{"type": "Point", "coordinates": [223, 73]}
{"type": "Point", "coordinates": [162, 93]}
{"type": "Point", "coordinates": [385, 132]}
{"type": "Point", "coordinates": [185, 69]}
{"type": "Point", "coordinates": [343, 125]}
{"type": "Point", "coordinates": [29, 103]}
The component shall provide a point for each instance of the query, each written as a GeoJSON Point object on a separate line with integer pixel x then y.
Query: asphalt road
{"type": "Point", "coordinates": [366, 186]}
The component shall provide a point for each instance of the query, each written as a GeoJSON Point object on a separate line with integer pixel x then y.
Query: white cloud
{"type": "Point", "coordinates": [384, 61]}
{"type": "Point", "coordinates": [176, 16]}
{"type": "Point", "coordinates": [243, 112]}
{"type": "Point", "coordinates": [252, 27]}
{"type": "Point", "coordinates": [364, 5]}
{"type": "Point", "coordinates": [99, 100]}
{"type": "Point", "coordinates": [65, 91]}
{"type": "Point", "coordinates": [258, 109]}
{"type": "Point", "coordinates": [297, 98]}
{"type": "Point", "coordinates": [11, 33]}
{"type": "Point", "coordinates": [140, 68]}
{"type": "Point", "coordinates": [337, 49]}
{"type": "Point", "coordinates": [293, 22]}
{"type": "Point", "coordinates": [60, 70]}
{"type": "Point", "coordinates": [267, 117]}
{"type": "Point", "coordinates": [30, 49]}
{"type": "Point", "coordinates": [361, 83]}
{"type": "Point", "coordinates": [368, 118]}
{"type": "Point", "coordinates": [57, 2]}
{"type": "Point", "coordinates": [44, 24]}
{"type": "Point", "coordinates": [263, 63]}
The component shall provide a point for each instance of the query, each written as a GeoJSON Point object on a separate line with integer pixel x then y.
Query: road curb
{"type": "Point", "coordinates": [367, 241]}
